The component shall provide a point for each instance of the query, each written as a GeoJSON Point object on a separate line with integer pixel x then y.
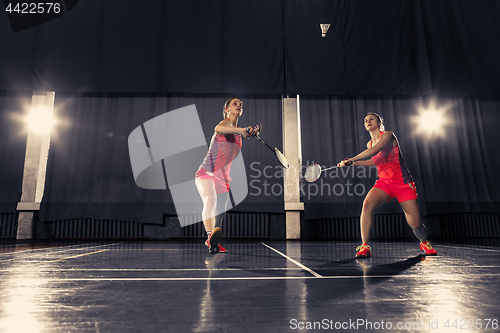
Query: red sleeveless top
{"type": "Point", "coordinates": [222, 151]}
{"type": "Point", "coordinates": [390, 163]}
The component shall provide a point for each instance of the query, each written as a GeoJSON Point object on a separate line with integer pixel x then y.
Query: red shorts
{"type": "Point", "coordinates": [396, 189]}
{"type": "Point", "coordinates": [221, 186]}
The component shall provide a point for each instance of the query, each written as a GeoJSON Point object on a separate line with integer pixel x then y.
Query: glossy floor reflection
{"type": "Point", "coordinates": [257, 286]}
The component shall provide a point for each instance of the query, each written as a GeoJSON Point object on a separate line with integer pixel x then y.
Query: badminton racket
{"type": "Point", "coordinates": [314, 171]}
{"type": "Point", "coordinates": [279, 155]}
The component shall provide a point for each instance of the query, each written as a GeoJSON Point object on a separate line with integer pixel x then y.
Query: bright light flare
{"type": "Point", "coordinates": [431, 121]}
{"type": "Point", "coordinates": [40, 120]}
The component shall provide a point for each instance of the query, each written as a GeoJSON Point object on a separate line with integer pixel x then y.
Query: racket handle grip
{"type": "Point", "coordinates": [247, 129]}
{"type": "Point", "coordinates": [348, 163]}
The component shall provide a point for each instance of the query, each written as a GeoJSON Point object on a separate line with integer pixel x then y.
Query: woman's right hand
{"type": "Point", "coordinates": [246, 132]}
{"type": "Point", "coordinates": [344, 163]}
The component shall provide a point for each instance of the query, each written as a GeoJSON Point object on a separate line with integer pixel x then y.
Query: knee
{"type": "Point", "coordinates": [413, 222]}
{"type": "Point", "coordinates": [368, 206]}
{"type": "Point", "coordinates": [210, 201]}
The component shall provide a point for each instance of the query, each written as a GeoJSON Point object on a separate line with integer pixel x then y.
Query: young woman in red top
{"type": "Point", "coordinates": [394, 181]}
{"type": "Point", "coordinates": [212, 177]}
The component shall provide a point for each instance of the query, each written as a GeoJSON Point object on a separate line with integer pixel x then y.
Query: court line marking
{"type": "Point", "coordinates": [35, 260]}
{"type": "Point", "coordinates": [294, 261]}
{"type": "Point", "coordinates": [470, 248]}
{"type": "Point", "coordinates": [198, 269]}
{"type": "Point", "coordinates": [262, 278]}
{"type": "Point", "coordinates": [78, 255]}
{"type": "Point", "coordinates": [59, 249]}
{"type": "Point", "coordinates": [160, 269]}
{"type": "Point", "coordinates": [153, 249]}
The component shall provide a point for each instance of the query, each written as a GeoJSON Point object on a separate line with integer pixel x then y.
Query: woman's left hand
{"type": "Point", "coordinates": [252, 131]}
{"type": "Point", "coordinates": [257, 129]}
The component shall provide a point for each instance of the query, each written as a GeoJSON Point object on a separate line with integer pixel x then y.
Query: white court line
{"type": "Point", "coordinates": [471, 247]}
{"type": "Point", "coordinates": [78, 255]}
{"type": "Point", "coordinates": [413, 276]}
{"type": "Point", "coordinates": [295, 262]}
{"type": "Point", "coordinates": [58, 249]}
{"type": "Point", "coordinates": [160, 269]}
{"type": "Point", "coordinates": [194, 269]}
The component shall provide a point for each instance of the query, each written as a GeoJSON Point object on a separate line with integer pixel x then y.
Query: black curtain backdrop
{"type": "Point", "coordinates": [454, 170]}
{"type": "Point", "coordinates": [386, 47]}
{"type": "Point", "coordinates": [371, 48]}
{"type": "Point", "coordinates": [114, 64]}
{"type": "Point", "coordinates": [14, 109]}
{"type": "Point", "coordinates": [187, 46]}
{"type": "Point", "coordinates": [460, 37]}
{"type": "Point", "coordinates": [89, 173]}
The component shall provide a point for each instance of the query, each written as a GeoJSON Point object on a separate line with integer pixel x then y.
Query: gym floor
{"type": "Point", "coordinates": [258, 286]}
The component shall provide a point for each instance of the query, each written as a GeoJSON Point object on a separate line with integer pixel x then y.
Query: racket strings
{"type": "Point", "coordinates": [312, 172]}
{"type": "Point", "coordinates": [281, 158]}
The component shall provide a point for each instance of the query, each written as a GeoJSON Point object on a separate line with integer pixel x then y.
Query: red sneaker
{"type": "Point", "coordinates": [364, 251]}
{"type": "Point", "coordinates": [221, 249]}
{"type": "Point", "coordinates": [427, 247]}
{"type": "Point", "coordinates": [213, 240]}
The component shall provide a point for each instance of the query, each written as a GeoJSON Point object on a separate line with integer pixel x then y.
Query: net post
{"type": "Point", "coordinates": [291, 181]}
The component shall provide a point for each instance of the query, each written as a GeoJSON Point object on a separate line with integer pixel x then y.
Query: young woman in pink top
{"type": "Point", "coordinates": [212, 177]}
{"type": "Point", "coordinates": [394, 181]}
